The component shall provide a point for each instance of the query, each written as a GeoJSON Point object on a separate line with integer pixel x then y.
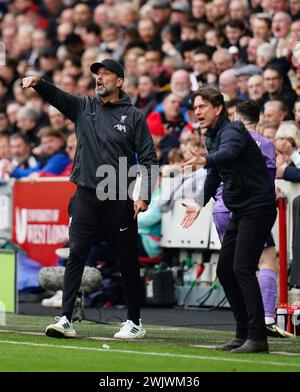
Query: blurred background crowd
{"type": "Point", "coordinates": [168, 49]}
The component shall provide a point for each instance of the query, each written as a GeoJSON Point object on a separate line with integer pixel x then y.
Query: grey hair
{"type": "Point", "coordinates": [26, 111]}
{"type": "Point", "coordinates": [266, 50]}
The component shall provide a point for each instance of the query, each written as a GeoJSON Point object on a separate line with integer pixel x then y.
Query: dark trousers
{"type": "Point", "coordinates": [239, 256]}
{"type": "Point", "coordinates": [112, 220]}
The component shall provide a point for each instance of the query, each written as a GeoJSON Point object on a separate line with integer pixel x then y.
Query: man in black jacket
{"type": "Point", "coordinates": [111, 136]}
{"type": "Point", "coordinates": [235, 159]}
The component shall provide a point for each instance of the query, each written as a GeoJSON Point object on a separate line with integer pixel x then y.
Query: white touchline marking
{"type": "Point", "coordinates": [286, 353]}
{"type": "Point", "coordinates": [100, 338]}
{"type": "Point", "coordinates": [150, 353]}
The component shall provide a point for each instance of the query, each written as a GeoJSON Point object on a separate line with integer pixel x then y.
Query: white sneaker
{"type": "Point", "coordinates": [62, 253]}
{"type": "Point", "coordinates": [129, 330]}
{"type": "Point", "coordinates": [62, 329]}
{"type": "Point", "coordinates": [55, 301]}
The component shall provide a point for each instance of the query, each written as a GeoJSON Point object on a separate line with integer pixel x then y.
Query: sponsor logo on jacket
{"type": "Point", "coordinates": [121, 127]}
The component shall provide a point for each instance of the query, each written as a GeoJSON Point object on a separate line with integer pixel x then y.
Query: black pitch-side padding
{"type": "Point", "coordinates": [159, 287]}
{"type": "Point", "coordinates": [295, 266]}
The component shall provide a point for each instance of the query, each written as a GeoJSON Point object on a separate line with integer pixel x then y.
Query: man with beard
{"type": "Point", "coordinates": [111, 133]}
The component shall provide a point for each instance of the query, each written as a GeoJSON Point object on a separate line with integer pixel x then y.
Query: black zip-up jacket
{"type": "Point", "coordinates": [105, 133]}
{"type": "Point", "coordinates": [235, 159]}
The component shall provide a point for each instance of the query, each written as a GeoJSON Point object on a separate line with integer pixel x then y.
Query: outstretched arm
{"type": "Point", "coordinates": [68, 104]}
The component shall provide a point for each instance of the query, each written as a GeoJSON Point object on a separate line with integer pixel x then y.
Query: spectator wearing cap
{"type": "Point", "coordinates": [180, 11]}
{"type": "Point", "coordinates": [256, 88]}
{"type": "Point", "coordinates": [172, 64]}
{"type": "Point", "coordinates": [160, 13]}
{"type": "Point", "coordinates": [107, 127]}
{"type": "Point", "coordinates": [243, 74]}
{"type": "Point", "coordinates": [273, 83]}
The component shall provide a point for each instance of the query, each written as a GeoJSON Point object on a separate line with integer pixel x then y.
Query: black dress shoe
{"type": "Point", "coordinates": [252, 346]}
{"type": "Point", "coordinates": [235, 343]}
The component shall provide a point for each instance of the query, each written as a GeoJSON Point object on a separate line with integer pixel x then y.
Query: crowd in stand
{"type": "Point", "coordinates": [168, 49]}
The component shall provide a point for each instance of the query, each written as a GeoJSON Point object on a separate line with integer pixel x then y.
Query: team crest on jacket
{"type": "Point", "coordinates": [121, 127]}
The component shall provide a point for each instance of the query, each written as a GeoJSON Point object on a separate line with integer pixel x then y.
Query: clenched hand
{"type": "Point", "coordinates": [30, 81]}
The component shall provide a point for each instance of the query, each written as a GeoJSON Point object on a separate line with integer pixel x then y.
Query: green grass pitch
{"type": "Point", "coordinates": [24, 347]}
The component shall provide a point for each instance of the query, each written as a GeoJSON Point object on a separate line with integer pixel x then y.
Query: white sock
{"type": "Point", "coordinates": [269, 320]}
